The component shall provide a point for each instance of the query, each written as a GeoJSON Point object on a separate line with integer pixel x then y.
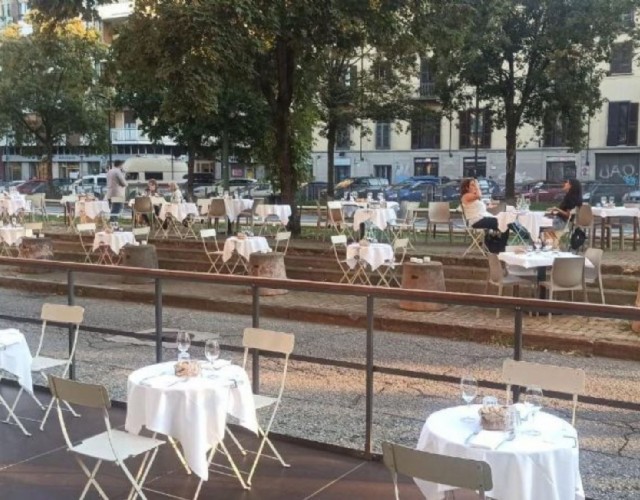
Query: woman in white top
{"type": "Point", "coordinates": [176, 194]}
{"type": "Point", "coordinates": [475, 211]}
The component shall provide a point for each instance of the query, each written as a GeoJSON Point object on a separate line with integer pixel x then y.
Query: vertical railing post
{"type": "Point", "coordinates": [255, 322]}
{"type": "Point", "coordinates": [158, 308]}
{"type": "Point", "coordinates": [517, 347]}
{"type": "Point", "coordinates": [369, 380]}
{"type": "Point", "coordinates": [71, 300]}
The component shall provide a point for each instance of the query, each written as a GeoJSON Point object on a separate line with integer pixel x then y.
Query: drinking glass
{"type": "Point", "coordinates": [469, 391]}
{"type": "Point", "coordinates": [533, 404]}
{"type": "Point", "coordinates": [212, 350]}
{"type": "Point", "coordinates": [183, 339]}
{"type": "Point", "coordinates": [537, 244]}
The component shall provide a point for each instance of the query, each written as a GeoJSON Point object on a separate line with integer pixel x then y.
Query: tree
{"type": "Point", "coordinates": [525, 59]}
{"type": "Point", "coordinates": [48, 92]}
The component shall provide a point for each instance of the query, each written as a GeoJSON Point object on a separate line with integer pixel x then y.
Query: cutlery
{"type": "Point", "coordinates": [474, 433]}
{"type": "Point", "coordinates": [510, 437]}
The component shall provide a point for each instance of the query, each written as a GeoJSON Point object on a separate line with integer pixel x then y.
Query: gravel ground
{"type": "Point", "coordinates": [327, 404]}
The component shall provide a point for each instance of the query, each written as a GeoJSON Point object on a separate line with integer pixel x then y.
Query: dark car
{"type": "Point", "coordinates": [543, 191]}
{"type": "Point", "coordinates": [411, 191]}
{"type": "Point", "coordinates": [632, 197]}
{"type": "Point", "coordinates": [33, 186]}
{"type": "Point", "coordinates": [450, 191]}
{"type": "Point", "coordinates": [594, 192]}
{"type": "Point", "coordinates": [361, 186]}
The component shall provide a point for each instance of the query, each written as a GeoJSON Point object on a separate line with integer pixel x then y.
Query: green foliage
{"type": "Point", "coordinates": [48, 86]}
{"type": "Point", "coordinates": [527, 60]}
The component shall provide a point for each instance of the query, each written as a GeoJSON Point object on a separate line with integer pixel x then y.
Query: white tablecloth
{"type": "Point", "coordinates": [191, 410]}
{"type": "Point", "coordinates": [375, 254]}
{"type": "Point", "coordinates": [13, 204]}
{"type": "Point", "coordinates": [244, 247]}
{"type": "Point", "coordinates": [115, 240]}
{"type": "Point", "coordinates": [349, 208]}
{"type": "Point", "coordinates": [527, 468]}
{"type": "Point", "coordinates": [615, 212]}
{"type": "Point", "coordinates": [12, 235]}
{"type": "Point", "coordinates": [179, 211]}
{"type": "Point", "coordinates": [92, 209]}
{"type": "Point", "coordinates": [233, 207]}
{"type": "Point", "coordinates": [15, 356]}
{"type": "Point", "coordinates": [532, 260]}
{"type": "Point", "coordinates": [531, 221]}
{"type": "Point", "coordinates": [380, 217]}
{"type": "Point", "coordinates": [283, 212]}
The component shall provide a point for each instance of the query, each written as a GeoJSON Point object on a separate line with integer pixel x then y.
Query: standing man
{"type": "Point", "coordinates": [116, 184]}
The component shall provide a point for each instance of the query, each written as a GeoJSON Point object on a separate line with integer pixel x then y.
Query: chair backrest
{"type": "Point", "coordinates": [594, 255]}
{"type": "Point", "coordinates": [79, 393]}
{"type": "Point", "coordinates": [268, 340]}
{"type": "Point", "coordinates": [496, 271]}
{"type": "Point", "coordinates": [567, 271]}
{"type": "Point", "coordinates": [547, 377]}
{"type": "Point", "coordinates": [584, 216]}
{"type": "Point", "coordinates": [203, 205]}
{"type": "Point", "coordinates": [141, 233]}
{"type": "Point", "coordinates": [86, 227]}
{"type": "Point", "coordinates": [282, 238]}
{"type": "Point", "coordinates": [60, 313]}
{"type": "Point", "coordinates": [453, 471]}
{"type": "Point", "coordinates": [439, 212]}
{"type": "Point", "coordinates": [400, 246]}
{"type": "Point", "coordinates": [335, 213]}
{"type": "Point", "coordinates": [34, 226]}
{"type": "Point", "coordinates": [217, 209]}
{"type": "Point", "coordinates": [209, 235]}
{"type": "Point", "coordinates": [142, 204]}
{"type": "Point", "coordinates": [256, 203]}
{"type": "Point", "coordinates": [340, 239]}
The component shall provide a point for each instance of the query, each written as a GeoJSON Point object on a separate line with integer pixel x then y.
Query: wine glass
{"type": "Point", "coordinates": [212, 351]}
{"type": "Point", "coordinates": [183, 339]}
{"type": "Point", "coordinates": [537, 244]}
{"type": "Point", "coordinates": [469, 390]}
{"type": "Point", "coordinates": [533, 404]}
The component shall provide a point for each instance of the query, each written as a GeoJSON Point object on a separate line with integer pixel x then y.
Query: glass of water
{"type": "Point", "coordinates": [212, 351]}
{"type": "Point", "coordinates": [469, 391]}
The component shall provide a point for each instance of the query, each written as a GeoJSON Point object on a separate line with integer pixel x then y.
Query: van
{"type": "Point", "coordinates": [90, 184]}
{"type": "Point", "coordinates": [160, 168]}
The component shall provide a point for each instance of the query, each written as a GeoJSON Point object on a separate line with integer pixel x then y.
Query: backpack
{"type": "Point", "coordinates": [577, 239]}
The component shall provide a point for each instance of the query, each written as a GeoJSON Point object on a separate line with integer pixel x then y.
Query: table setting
{"type": "Point", "coordinates": [179, 211]}
{"type": "Point", "coordinates": [536, 256]}
{"type": "Point", "coordinates": [532, 221]}
{"type": "Point", "coordinates": [374, 254]}
{"type": "Point", "coordinates": [532, 454]}
{"type": "Point", "coordinates": [244, 245]}
{"type": "Point", "coordinates": [283, 212]}
{"type": "Point", "coordinates": [91, 209]}
{"type": "Point", "coordinates": [115, 240]}
{"type": "Point", "coordinates": [235, 206]}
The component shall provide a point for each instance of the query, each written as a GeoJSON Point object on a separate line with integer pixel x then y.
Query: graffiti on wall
{"type": "Point", "coordinates": [617, 169]}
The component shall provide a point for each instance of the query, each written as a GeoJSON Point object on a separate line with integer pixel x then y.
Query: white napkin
{"type": "Point", "coordinates": [219, 363]}
{"type": "Point", "coordinates": [487, 440]}
{"type": "Point", "coordinates": [9, 337]}
{"type": "Point", "coordinates": [160, 381]}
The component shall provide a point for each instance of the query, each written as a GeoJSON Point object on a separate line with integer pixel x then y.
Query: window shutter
{"type": "Point", "coordinates": [464, 124]}
{"type": "Point", "coordinates": [486, 129]}
{"type": "Point", "coordinates": [612, 127]}
{"type": "Point", "coordinates": [632, 134]}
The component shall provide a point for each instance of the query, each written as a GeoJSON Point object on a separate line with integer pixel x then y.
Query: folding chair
{"type": "Point", "coordinates": [476, 235]}
{"type": "Point", "coordinates": [55, 313]}
{"type": "Point", "coordinates": [86, 233]}
{"type": "Point", "coordinates": [112, 445]}
{"type": "Point", "coordinates": [335, 217]}
{"type": "Point", "coordinates": [143, 207]}
{"type": "Point", "coordinates": [341, 241]}
{"type": "Point", "coordinates": [274, 342]}
{"type": "Point", "coordinates": [105, 255]}
{"type": "Point", "coordinates": [462, 473]}
{"type": "Point", "coordinates": [250, 215]}
{"type": "Point", "coordinates": [439, 213]}
{"type": "Point", "coordinates": [282, 238]}
{"type": "Point", "coordinates": [406, 227]}
{"type": "Point", "coordinates": [34, 227]}
{"type": "Point", "coordinates": [547, 377]}
{"type": "Point", "coordinates": [217, 211]}
{"type": "Point", "coordinates": [141, 234]}
{"type": "Point", "coordinates": [208, 237]}
{"type": "Point", "coordinates": [389, 270]}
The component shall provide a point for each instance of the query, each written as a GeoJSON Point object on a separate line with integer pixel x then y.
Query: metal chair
{"type": "Point", "coordinates": [406, 227]}
{"type": "Point", "coordinates": [250, 215]}
{"type": "Point", "coordinates": [340, 241]}
{"type": "Point", "coordinates": [594, 275]}
{"type": "Point", "coordinates": [141, 234]}
{"type": "Point", "coordinates": [439, 213]}
{"type": "Point", "coordinates": [143, 207]}
{"type": "Point", "coordinates": [217, 211]}
{"type": "Point", "coordinates": [547, 377]}
{"type": "Point", "coordinates": [476, 235]}
{"type": "Point", "coordinates": [499, 278]}
{"type": "Point", "coordinates": [209, 240]}
{"type": "Point", "coordinates": [584, 220]}
{"type": "Point", "coordinates": [54, 313]}
{"type": "Point", "coordinates": [567, 274]}
{"type": "Point", "coordinates": [282, 238]}
{"type": "Point", "coordinates": [389, 270]}
{"type": "Point", "coordinates": [452, 471]}
{"type": "Point", "coordinates": [112, 445]}
{"type": "Point", "coordinates": [335, 217]}
{"type": "Point", "coordinates": [38, 205]}
{"type": "Point", "coordinates": [86, 233]}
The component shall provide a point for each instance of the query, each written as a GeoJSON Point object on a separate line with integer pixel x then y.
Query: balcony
{"type": "Point", "coordinates": [427, 90]}
{"type": "Point", "coordinates": [132, 135]}
{"type": "Point", "coordinates": [115, 11]}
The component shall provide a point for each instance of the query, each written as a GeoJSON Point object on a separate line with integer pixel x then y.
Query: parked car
{"type": "Point", "coordinates": [411, 191]}
{"type": "Point", "coordinates": [543, 191]}
{"type": "Point", "coordinates": [94, 184]}
{"type": "Point", "coordinates": [361, 186]}
{"type": "Point", "coordinates": [450, 191]}
{"type": "Point", "coordinates": [593, 192]}
{"type": "Point", "coordinates": [631, 197]}
{"type": "Point", "coordinates": [240, 184]}
{"type": "Point", "coordinates": [32, 186]}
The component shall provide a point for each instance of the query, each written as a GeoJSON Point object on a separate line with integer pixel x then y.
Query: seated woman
{"type": "Point", "coordinates": [475, 211]}
{"type": "Point", "coordinates": [151, 191]}
{"type": "Point", "coordinates": [176, 194]}
{"type": "Point", "coordinates": [562, 213]}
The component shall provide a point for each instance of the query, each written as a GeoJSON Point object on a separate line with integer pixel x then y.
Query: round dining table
{"type": "Point", "coordinates": [528, 467]}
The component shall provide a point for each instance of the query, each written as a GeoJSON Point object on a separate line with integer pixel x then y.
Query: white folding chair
{"type": "Point", "coordinates": [593, 275]}
{"type": "Point", "coordinates": [389, 270]}
{"type": "Point", "coordinates": [547, 377]}
{"type": "Point", "coordinates": [341, 241]}
{"type": "Point", "coordinates": [55, 313]}
{"type": "Point", "coordinates": [476, 235]}
{"type": "Point", "coordinates": [112, 445]}
{"type": "Point", "coordinates": [462, 473]}
{"type": "Point", "coordinates": [141, 234]}
{"type": "Point", "coordinates": [86, 233]}
{"type": "Point", "coordinates": [208, 237]}
{"type": "Point", "coordinates": [282, 239]}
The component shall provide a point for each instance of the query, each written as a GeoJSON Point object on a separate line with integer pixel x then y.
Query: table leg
{"type": "Point", "coordinates": [542, 274]}
{"type": "Point", "coordinates": [602, 233]}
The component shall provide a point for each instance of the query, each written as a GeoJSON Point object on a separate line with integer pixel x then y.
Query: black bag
{"type": "Point", "coordinates": [577, 239]}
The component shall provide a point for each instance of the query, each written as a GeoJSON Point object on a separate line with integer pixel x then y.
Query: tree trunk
{"type": "Point", "coordinates": [510, 179]}
{"type": "Point", "coordinates": [224, 156]}
{"type": "Point", "coordinates": [331, 147]}
{"type": "Point", "coordinates": [49, 163]}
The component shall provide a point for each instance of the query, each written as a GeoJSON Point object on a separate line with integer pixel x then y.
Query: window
{"type": "Point", "coordinates": [382, 70]}
{"type": "Point", "coordinates": [621, 59]}
{"type": "Point", "coordinates": [559, 171]}
{"type": "Point", "coordinates": [554, 132]}
{"type": "Point", "coordinates": [472, 169]}
{"type": "Point", "coordinates": [427, 78]}
{"type": "Point", "coordinates": [628, 18]}
{"type": "Point", "coordinates": [350, 76]}
{"type": "Point", "coordinates": [426, 166]}
{"type": "Point", "coordinates": [623, 124]}
{"type": "Point", "coordinates": [383, 171]}
{"type": "Point", "coordinates": [475, 130]}
{"type": "Point", "coordinates": [343, 138]}
{"type": "Point", "coordinates": [129, 119]}
{"type": "Point", "coordinates": [383, 140]}
{"type": "Point", "coordinates": [425, 133]}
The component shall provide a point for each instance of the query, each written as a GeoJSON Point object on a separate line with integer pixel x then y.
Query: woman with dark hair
{"type": "Point", "coordinates": [475, 211]}
{"type": "Point", "coordinates": [572, 199]}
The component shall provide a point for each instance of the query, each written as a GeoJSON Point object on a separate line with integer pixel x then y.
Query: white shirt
{"type": "Point", "coordinates": [475, 211]}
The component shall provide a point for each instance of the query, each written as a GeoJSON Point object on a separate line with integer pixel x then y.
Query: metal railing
{"type": "Point", "coordinates": [518, 305]}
